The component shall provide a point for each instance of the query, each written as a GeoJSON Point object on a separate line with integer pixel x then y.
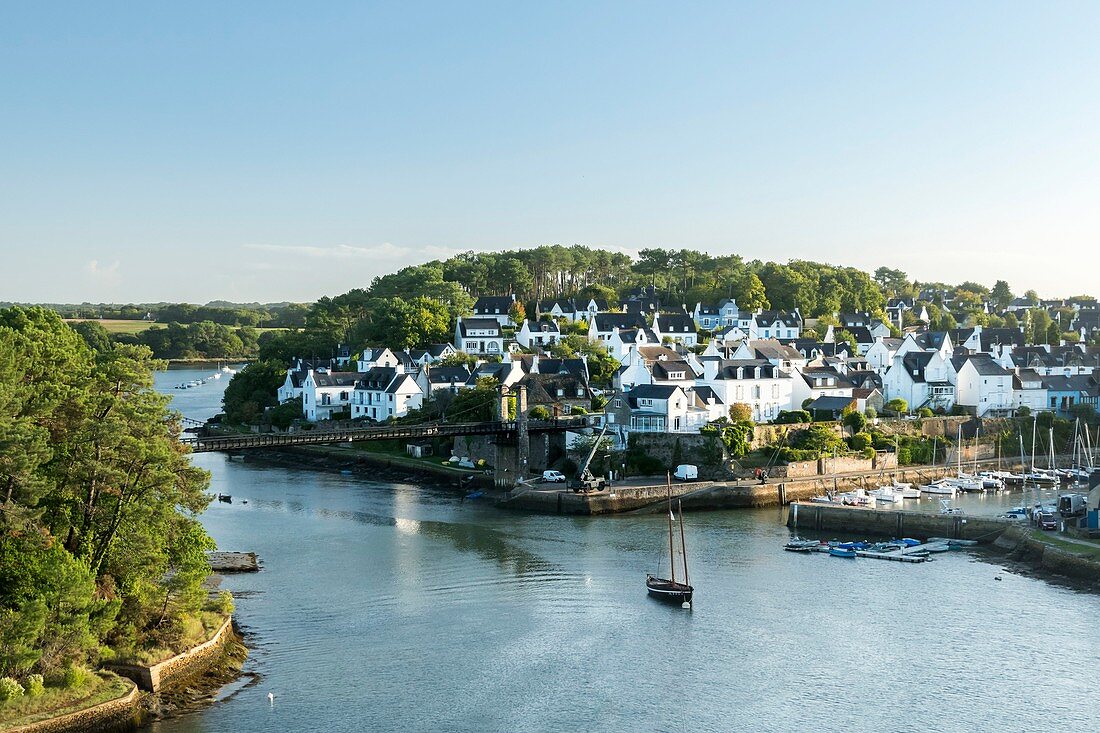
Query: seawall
{"type": "Point", "coordinates": [179, 668]}
{"type": "Point", "coordinates": [892, 523]}
{"type": "Point", "coordinates": [121, 714]}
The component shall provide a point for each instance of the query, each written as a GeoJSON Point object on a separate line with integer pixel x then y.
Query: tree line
{"type": "Point", "coordinates": [101, 553]}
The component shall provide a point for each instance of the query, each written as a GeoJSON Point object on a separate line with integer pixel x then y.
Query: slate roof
{"type": "Point", "coordinates": [676, 323]}
{"type": "Point", "coordinates": [652, 392]}
{"type": "Point", "coordinates": [376, 379]}
{"type": "Point", "coordinates": [448, 375]}
{"type": "Point", "coordinates": [767, 318]}
{"type": "Point", "coordinates": [335, 379]}
{"type": "Point", "coordinates": [706, 394]}
{"type": "Point", "coordinates": [490, 303]}
{"type": "Point", "coordinates": [479, 324]}
{"type": "Point", "coordinates": [606, 322]}
{"type": "Point", "coordinates": [915, 363]}
{"type": "Point", "coordinates": [746, 369]}
{"type": "Point", "coordinates": [830, 403]}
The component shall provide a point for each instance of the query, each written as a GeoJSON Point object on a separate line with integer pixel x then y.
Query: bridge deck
{"type": "Point", "coordinates": [206, 444]}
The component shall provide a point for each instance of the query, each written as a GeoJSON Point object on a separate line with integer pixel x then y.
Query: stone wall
{"type": "Point", "coordinates": [180, 667]}
{"type": "Point", "coordinates": [831, 518]}
{"type": "Point", "coordinates": [119, 714]}
{"type": "Point", "coordinates": [697, 450]}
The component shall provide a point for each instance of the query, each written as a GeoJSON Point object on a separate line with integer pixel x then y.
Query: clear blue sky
{"type": "Point", "coordinates": [273, 151]}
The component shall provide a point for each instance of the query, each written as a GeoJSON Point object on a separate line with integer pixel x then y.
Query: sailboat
{"type": "Point", "coordinates": [670, 589]}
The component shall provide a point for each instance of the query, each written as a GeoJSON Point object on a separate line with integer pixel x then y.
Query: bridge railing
{"type": "Point", "coordinates": [391, 432]}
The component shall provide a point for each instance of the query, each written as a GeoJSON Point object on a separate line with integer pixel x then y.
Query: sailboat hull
{"type": "Point", "coordinates": [667, 590]}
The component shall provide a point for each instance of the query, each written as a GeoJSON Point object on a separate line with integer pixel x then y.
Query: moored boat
{"type": "Point", "coordinates": [670, 589]}
{"type": "Point", "coordinates": [841, 552]}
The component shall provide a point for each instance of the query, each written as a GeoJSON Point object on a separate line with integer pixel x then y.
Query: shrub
{"type": "Point", "coordinates": [223, 604]}
{"type": "Point", "coordinates": [870, 413]}
{"type": "Point", "coordinates": [10, 689]}
{"type": "Point", "coordinates": [740, 412]}
{"type": "Point", "coordinates": [35, 685]}
{"type": "Point", "coordinates": [868, 453]}
{"type": "Point", "coordinates": [788, 417]}
{"type": "Point", "coordinates": [577, 410]}
{"type": "Point", "coordinates": [856, 421]}
{"type": "Point", "coordinates": [924, 412]}
{"type": "Point", "coordinates": [74, 677]}
{"type": "Point", "coordinates": [1023, 411]}
{"type": "Point", "coordinates": [539, 412]}
{"type": "Point", "coordinates": [905, 456]}
{"type": "Point", "coordinates": [897, 405]}
{"type": "Point", "coordinates": [862, 441]}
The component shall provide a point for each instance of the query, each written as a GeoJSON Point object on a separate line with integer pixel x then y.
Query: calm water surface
{"type": "Point", "coordinates": [397, 607]}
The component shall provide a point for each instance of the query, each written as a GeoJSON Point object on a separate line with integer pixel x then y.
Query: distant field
{"type": "Point", "coordinates": [122, 326]}
{"type": "Point", "coordinates": [116, 326]}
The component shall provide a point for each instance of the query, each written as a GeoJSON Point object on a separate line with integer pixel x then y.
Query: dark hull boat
{"type": "Point", "coordinates": [665, 589]}
{"type": "Point", "coordinates": [668, 590]}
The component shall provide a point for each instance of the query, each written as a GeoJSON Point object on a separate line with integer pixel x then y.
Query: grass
{"type": "Point", "coordinates": [56, 701]}
{"type": "Point", "coordinates": [196, 631]}
{"type": "Point", "coordinates": [1091, 551]}
{"type": "Point", "coordinates": [116, 326]}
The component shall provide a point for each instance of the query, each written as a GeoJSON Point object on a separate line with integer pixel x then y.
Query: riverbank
{"type": "Point", "coordinates": [1052, 556]}
{"type": "Point", "coordinates": [350, 460]}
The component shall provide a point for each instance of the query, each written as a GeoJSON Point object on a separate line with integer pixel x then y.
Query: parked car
{"type": "Point", "coordinates": [554, 477]}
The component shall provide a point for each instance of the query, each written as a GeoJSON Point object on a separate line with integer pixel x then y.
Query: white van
{"type": "Point", "coordinates": [554, 477]}
{"type": "Point", "coordinates": [686, 472]}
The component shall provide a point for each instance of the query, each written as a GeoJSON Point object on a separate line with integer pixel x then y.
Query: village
{"type": "Point", "coordinates": [680, 368]}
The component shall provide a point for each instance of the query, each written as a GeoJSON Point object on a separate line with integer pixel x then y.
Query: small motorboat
{"type": "Point", "coordinates": [841, 552]}
{"type": "Point", "coordinates": [939, 487]}
{"type": "Point", "coordinates": [225, 498]}
{"type": "Point", "coordinates": [800, 545]}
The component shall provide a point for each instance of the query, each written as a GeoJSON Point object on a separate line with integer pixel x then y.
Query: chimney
{"type": "Point", "coordinates": [535, 364]}
{"type": "Point", "coordinates": [710, 370]}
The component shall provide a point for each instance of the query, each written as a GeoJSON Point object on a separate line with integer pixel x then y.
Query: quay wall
{"type": "Point", "coordinates": [180, 667]}
{"type": "Point", "coordinates": [122, 713]}
{"type": "Point", "coordinates": [831, 518]}
{"type": "Point", "coordinates": [1025, 544]}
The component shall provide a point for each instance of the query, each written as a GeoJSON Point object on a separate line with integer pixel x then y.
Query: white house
{"type": "Point", "coordinates": [434, 354]}
{"type": "Point", "coordinates": [325, 393]}
{"type": "Point", "coordinates": [566, 309]}
{"type": "Point", "coordinates": [1028, 390]}
{"type": "Point", "coordinates": [602, 325]}
{"type": "Point", "coordinates": [655, 365]}
{"type": "Point", "coordinates": [542, 332]}
{"type": "Point", "coordinates": [765, 387]}
{"type": "Point", "coordinates": [656, 408]}
{"type": "Point", "coordinates": [385, 392]}
{"type": "Point", "coordinates": [479, 336]}
{"type": "Point", "coordinates": [679, 327]}
{"type": "Point", "coordinates": [922, 379]}
{"type": "Point", "coordinates": [376, 356]}
{"type": "Point", "coordinates": [881, 354]}
{"type": "Point", "coordinates": [984, 387]}
{"type": "Point", "coordinates": [813, 382]}
{"type": "Point", "coordinates": [622, 342]}
{"type": "Point", "coordinates": [496, 307]}
{"type": "Point", "coordinates": [776, 324]}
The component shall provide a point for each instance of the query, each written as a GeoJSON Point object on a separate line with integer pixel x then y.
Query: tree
{"type": "Point", "coordinates": [891, 281]}
{"type": "Point", "coordinates": [740, 412]}
{"type": "Point", "coordinates": [251, 391]}
{"type": "Point", "coordinates": [897, 405]}
{"type": "Point", "coordinates": [476, 404]}
{"type": "Point", "coordinates": [517, 313]}
{"type": "Point", "coordinates": [1001, 295]}
{"type": "Point", "coordinates": [855, 420]}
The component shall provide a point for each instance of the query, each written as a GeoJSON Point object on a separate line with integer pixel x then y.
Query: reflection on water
{"type": "Point", "coordinates": [398, 607]}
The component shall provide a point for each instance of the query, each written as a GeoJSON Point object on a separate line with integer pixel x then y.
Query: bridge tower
{"type": "Point", "coordinates": [522, 454]}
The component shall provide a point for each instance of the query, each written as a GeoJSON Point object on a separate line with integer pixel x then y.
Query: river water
{"type": "Point", "coordinates": [387, 606]}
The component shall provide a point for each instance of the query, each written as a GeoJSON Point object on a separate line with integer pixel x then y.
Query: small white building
{"type": "Point", "coordinates": [678, 327]}
{"type": "Point", "coordinates": [543, 332]}
{"type": "Point", "coordinates": [385, 392]}
{"type": "Point", "coordinates": [496, 307]}
{"type": "Point", "coordinates": [479, 336]}
{"type": "Point", "coordinates": [984, 386]}
{"type": "Point", "coordinates": [325, 393]}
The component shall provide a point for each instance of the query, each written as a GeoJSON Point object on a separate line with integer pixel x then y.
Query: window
{"type": "Point", "coordinates": [775, 391]}
{"type": "Point", "coordinates": [618, 402]}
{"type": "Point", "coordinates": [756, 392]}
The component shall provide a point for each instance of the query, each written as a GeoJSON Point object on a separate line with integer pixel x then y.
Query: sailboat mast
{"type": "Point", "coordinates": [671, 553]}
{"type": "Point", "coordinates": [683, 543]}
{"type": "Point", "coordinates": [1034, 428]}
{"type": "Point", "coordinates": [1051, 448]}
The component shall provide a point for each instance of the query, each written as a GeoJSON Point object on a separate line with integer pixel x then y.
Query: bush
{"type": "Point", "coordinates": [539, 412]}
{"type": "Point", "coordinates": [740, 412]}
{"type": "Point", "coordinates": [223, 604]}
{"type": "Point", "coordinates": [862, 441]}
{"type": "Point", "coordinates": [856, 421]}
{"type": "Point", "coordinates": [868, 453]}
{"type": "Point", "coordinates": [897, 405]}
{"type": "Point", "coordinates": [905, 456]}
{"type": "Point", "coordinates": [74, 677]}
{"type": "Point", "coordinates": [924, 412]}
{"type": "Point", "coordinates": [1023, 411]}
{"type": "Point", "coordinates": [870, 413]}
{"type": "Point", "coordinates": [10, 689]}
{"type": "Point", "coordinates": [35, 685]}
{"type": "Point", "coordinates": [789, 417]}
{"type": "Point", "coordinates": [577, 410]}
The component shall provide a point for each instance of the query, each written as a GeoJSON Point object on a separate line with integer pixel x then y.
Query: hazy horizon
{"type": "Point", "coordinates": [201, 152]}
